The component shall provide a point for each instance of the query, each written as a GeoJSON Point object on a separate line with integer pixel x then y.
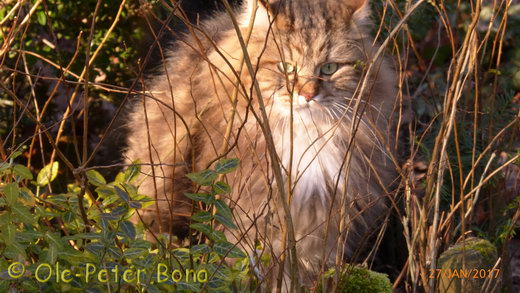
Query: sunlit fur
{"type": "Point", "coordinates": [197, 82]}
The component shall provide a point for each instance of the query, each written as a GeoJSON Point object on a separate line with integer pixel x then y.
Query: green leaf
{"type": "Point", "coordinates": [182, 253]}
{"type": "Point", "coordinates": [40, 16]}
{"type": "Point", "coordinates": [135, 252]}
{"type": "Point", "coordinates": [8, 233]}
{"type": "Point", "coordinates": [205, 177]}
{"type": "Point", "coordinates": [122, 194]}
{"type": "Point", "coordinates": [11, 192]}
{"type": "Point", "coordinates": [96, 248]}
{"type": "Point", "coordinates": [5, 218]}
{"type": "Point", "coordinates": [52, 254]}
{"type": "Point", "coordinates": [188, 286]}
{"type": "Point", "coordinates": [224, 215]}
{"type": "Point", "coordinates": [132, 172]}
{"type": "Point", "coordinates": [135, 204]}
{"type": "Point", "coordinates": [221, 188]}
{"type": "Point", "coordinates": [4, 166]}
{"type": "Point", "coordinates": [217, 236]}
{"type": "Point", "coordinates": [202, 217]}
{"type": "Point", "coordinates": [22, 171]}
{"type": "Point", "coordinates": [200, 249]}
{"type": "Point", "coordinates": [89, 236]}
{"type": "Point", "coordinates": [69, 217]}
{"type": "Point", "coordinates": [224, 248]}
{"type": "Point", "coordinates": [95, 178]}
{"type": "Point", "coordinates": [47, 174]}
{"type": "Point", "coordinates": [23, 214]}
{"type": "Point", "coordinates": [28, 236]}
{"type": "Point", "coordinates": [72, 256]}
{"type": "Point", "coordinates": [202, 197]}
{"type": "Point", "coordinates": [15, 155]}
{"type": "Point", "coordinates": [128, 229]}
{"type": "Point", "coordinates": [228, 222]}
{"type": "Point", "coordinates": [105, 191]}
{"type": "Point", "coordinates": [217, 285]}
{"type": "Point", "coordinates": [204, 228]}
{"type": "Point", "coordinates": [225, 166]}
{"type": "Point", "coordinates": [223, 209]}
{"type": "Point", "coordinates": [54, 239]}
{"type": "Point", "coordinates": [116, 252]}
{"type": "Point", "coordinates": [14, 250]}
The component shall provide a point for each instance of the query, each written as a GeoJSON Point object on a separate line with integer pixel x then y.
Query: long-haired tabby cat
{"type": "Point", "coordinates": [332, 124]}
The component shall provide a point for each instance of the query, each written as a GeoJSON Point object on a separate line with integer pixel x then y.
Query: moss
{"type": "Point", "coordinates": [473, 249]}
{"type": "Point", "coordinates": [472, 254]}
{"type": "Point", "coordinates": [357, 279]}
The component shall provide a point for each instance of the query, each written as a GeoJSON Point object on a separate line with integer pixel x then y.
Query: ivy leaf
{"type": "Point", "coordinates": [11, 192]}
{"type": "Point", "coordinates": [54, 239]}
{"type": "Point", "coordinates": [8, 233]}
{"type": "Point", "coordinates": [95, 178]}
{"type": "Point", "coordinates": [202, 197]}
{"type": "Point", "coordinates": [41, 17]}
{"type": "Point", "coordinates": [23, 213]}
{"type": "Point", "coordinates": [221, 188]}
{"type": "Point", "coordinates": [217, 285]}
{"type": "Point", "coordinates": [205, 177]}
{"type": "Point", "coordinates": [217, 236]}
{"type": "Point", "coordinates": [225, 166]}
{"type": "Point", "coordinates": [22, 171]}
{"type": "Point", "coordinates": [4, 166]}
{"type": "Point", "coordinates": [228, 222]}
{"type": "Point", "coordinates": [135, 252]}
{"type": "Point", "coordinates": [200, 249]}
{"type": "Point", "coordinates": [202, 217]}
{"type": "Point", "coordinates": [52, 254]}
{"type": "Point", "coordinates": [69, 217]}
{"type": "Point", "coordinates": [224, 248]}
{"type": "Point", "coordinates": [183, 253]}
{"type": "Point", "coordinates": [128, 229]}
{"type": "Point", "coordinates": [223, 209]}
{"type": "Point", "coordinates": [188, 286]}
{"type": "Point", "coordinates": [122, 194]}
{"type": "Point", "coordinates": [14, 250]}
{"type": "Point", "coordinates": [15, 155]}
{"type": "Point", "coordinates": [28, 236]}
{"type": "Point", "coordinates": [96, 248]}
{"type": "Point", "coordinates": [135, 204]}
{"type": "Point", "coordinates": [204, 228]}
{"type": "Point", "coordinates": [47, 174]}
{"type": "Point", "coordinates": [132, 172]}
{"type": "Point", "coordinates": [115, 252]}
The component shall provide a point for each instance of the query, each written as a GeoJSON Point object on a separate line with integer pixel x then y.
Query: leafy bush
{"type": "Point", "coordinates": [45, 234]}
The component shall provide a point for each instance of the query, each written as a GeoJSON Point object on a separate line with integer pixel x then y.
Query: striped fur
{"type": "Point", "coordinates": [338, 175]}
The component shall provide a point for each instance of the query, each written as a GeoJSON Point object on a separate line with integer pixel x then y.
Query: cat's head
{"type": "Point", "coordinates": [312, 52]}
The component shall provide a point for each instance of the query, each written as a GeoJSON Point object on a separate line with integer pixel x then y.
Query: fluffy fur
{"type": "Point", "coordinates": [338, 170]}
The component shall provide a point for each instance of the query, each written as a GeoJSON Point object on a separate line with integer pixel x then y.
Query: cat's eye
{"type": "Point", "coordinates": [329, 68]}
{"type": "Point", "coordinates": [286, 67]}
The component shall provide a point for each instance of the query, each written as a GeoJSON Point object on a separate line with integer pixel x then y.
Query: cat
{"type": "Point", "coordinates": [333, 127]}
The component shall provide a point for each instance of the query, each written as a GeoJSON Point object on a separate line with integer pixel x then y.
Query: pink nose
{"type": "Point", "coordinates": [308, 96]}
{"type": "Point", "coordinates": [309, 90]}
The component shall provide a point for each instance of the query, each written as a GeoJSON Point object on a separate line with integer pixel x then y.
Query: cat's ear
{"type": "Point", "coordinates": [356, 5]}
{"type": "Point", "coordinates": [264, 12]}
{"type": "Point", "coordinates": [359, 11]}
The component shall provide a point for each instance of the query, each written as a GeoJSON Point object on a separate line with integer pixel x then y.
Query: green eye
{"type": "Point", "coordinates": [286, 67]}
{"type": "Point", "coordinates": [329, 68]}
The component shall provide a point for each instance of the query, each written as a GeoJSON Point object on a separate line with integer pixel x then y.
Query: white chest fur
{"type": "Point", "coordinates": [316, 161]}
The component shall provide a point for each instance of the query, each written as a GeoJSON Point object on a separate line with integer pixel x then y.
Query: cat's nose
{"type": "Point", "coordinates": [309, 90]}
{"type": "Point", "coordinates": [308, 96]}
